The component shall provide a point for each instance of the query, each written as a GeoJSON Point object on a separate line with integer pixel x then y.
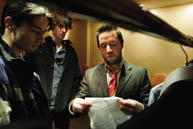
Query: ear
{"type": "Point", "coordinates": [9, 23]}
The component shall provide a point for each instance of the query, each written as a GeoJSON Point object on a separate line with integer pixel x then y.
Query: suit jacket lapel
{"type": "Point", "coordinates": [124, 77]}
{"type": "Point", "coordinates": [102, 80]}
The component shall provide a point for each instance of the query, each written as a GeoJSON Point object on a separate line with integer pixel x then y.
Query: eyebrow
{"type": "Point", "coordinates": [37, 27]}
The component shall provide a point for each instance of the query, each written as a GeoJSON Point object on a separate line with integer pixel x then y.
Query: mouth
{"type": "Point", "coordinates": [110, 56]}
{"type": "Point", "coordinates": [63, 34]}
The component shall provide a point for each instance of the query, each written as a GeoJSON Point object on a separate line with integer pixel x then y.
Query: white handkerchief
{"type": "Point", "coordinates": [105, 113]}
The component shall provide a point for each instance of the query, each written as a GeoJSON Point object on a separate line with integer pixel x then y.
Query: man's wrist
{"type": "Point", "coordinates": [70, 108]}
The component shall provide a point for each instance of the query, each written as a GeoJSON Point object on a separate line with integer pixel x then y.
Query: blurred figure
{"type": "Point", "coordinates": [58, 66]}
{"type": "Point", "coordinates": [115, 77]}
{"type": "Point", "coordinates": [5, 110]}
{"type": "Point", "coordinates": [23, 27]}
{"type": "Point", "coordinates": [172, 108]}
{"type": "Point", "coordinates": [31, 124]}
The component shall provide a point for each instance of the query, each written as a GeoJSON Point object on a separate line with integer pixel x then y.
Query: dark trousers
{"type": "Point", "coordinates": [61, 119]}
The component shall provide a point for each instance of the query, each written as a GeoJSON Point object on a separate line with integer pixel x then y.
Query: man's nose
{"type": "Point", "coordinates": [108, 48]}
{"type": "Point", "coordinates": [64, 29]}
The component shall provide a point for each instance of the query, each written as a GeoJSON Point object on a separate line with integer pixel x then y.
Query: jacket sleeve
{"type": "Point", "coordinates": [84, 88]}
{"type": "Point", "coordinates": [5, 108]}
{"type": "Point", "coordinates": [82, 92]}
{"type": "Point", "coordinates": [3, 75]}
{"type": "Point", "coordinates": [77, 75]}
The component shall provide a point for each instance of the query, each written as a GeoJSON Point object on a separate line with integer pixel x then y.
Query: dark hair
{"type": "Point", "coordinates": [57, 18]}
{"type": "Point", "coordinates": [21, 12]}
{"type": "Point", "coordinates": [108, 27]}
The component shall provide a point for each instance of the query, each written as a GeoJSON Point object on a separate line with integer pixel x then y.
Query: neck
{"type": "Point", "coordinates": [7, 38]}
{"type": "Point", "coordinates": [57, 41]}
{"type": "Point", "coordinates": [114, 66]}
{"type": "Point", "coordinates": [117, 64]}
{"type": "Point", "coordinates": [17, 51]}
{"type": "Point", "coordinates": [58, 48]}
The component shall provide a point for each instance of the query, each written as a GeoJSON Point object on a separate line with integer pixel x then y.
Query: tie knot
{"type": "Point", "coordinates": [113, 75]}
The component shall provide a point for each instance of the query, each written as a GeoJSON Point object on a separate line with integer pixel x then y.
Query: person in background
{"type": "Point", "coordinates": [23, 27]}
{"type": "Point", "coordinates": [58, 66]}
{"type": "Point", "coordinates": [115, 77]}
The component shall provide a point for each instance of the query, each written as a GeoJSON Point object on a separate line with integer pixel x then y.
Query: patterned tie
{"type": "Point", "coordinates": [112, 85]}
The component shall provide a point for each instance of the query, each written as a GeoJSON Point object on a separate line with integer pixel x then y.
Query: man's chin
{"type": "Point", "coordinates": [62, 37]}
{"type": "Point", "coordinates": [110, 62]}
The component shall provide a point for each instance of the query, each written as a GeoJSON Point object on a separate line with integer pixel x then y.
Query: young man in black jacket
{"type": "Point", "coordinates": [58, 66]}
{"type": "Point", "coordinates": [23, 27]}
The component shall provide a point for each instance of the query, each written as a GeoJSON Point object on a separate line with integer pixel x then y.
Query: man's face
{"type": "Point", "coordinates": [28, 37]}
{"type": "Point", "coordinates": [110, 47]}
{"type": "Point", "coordinates": [59, 31]}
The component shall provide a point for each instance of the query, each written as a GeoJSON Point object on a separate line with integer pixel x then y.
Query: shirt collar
{"type": "Point", "coordinates": [116, 70]}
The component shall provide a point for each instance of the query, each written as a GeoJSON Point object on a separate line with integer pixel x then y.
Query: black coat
{"type": "Point", "coordinates": [23, 89]}
{"type": "Point", "coordinates": [71, 77]}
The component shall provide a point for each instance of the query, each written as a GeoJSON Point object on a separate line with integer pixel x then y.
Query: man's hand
{"type": "Point", "coordinates": [81, 106]}
{"type": "Point", "coordinates": [130, 106]}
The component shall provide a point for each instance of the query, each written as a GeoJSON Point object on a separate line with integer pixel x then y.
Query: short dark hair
{"type": "Point", "coordinates": [108, 27]}
{"type": "Point", "coordinates": [57, 18]}
{"type": "Point", "coordinates": [23, 12]}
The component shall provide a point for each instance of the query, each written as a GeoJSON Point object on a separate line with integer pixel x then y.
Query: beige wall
{"type": "Point", "coordinates": [159, 55]}
{"type": "Point", "coordinates": [155, 54]}
{"type": "Point", "coordinates": [78, 37]}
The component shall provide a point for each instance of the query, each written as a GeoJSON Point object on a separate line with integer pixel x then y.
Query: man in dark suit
{"type": "Point", "coordinates": [115, 77]}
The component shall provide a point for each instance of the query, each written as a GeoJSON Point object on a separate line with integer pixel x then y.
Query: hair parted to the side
{"type": "Point", "coordinates": [109, 27]}
{"type": "Point", "coordinates": [57, 18]}
{"type": "Point", "coordinates": [23, 12]}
